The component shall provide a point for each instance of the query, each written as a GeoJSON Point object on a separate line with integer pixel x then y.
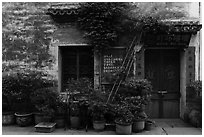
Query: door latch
{"type": "Point", "coordinates": [162, 92]}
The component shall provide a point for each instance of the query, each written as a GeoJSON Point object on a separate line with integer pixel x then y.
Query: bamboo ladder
{"type": "Point", "coordinates": [126, 66]}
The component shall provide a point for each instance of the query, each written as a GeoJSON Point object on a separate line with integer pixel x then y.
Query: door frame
{"type": "Point", "coordinates": [182, 102]}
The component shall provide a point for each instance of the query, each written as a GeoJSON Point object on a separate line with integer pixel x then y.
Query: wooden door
{"type": "Point", "coordinates": [162, 69]}
{"type": "Point", "coordinates": [77, 62]}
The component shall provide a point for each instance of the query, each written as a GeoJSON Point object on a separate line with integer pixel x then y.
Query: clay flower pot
{"type": "Point", "coordinates": [123, 128]}
{"type": "Point", "coordinates": [60, 121]}
{"type": "Point", "coordinates": [99, 125]}
{"type": "Point", "coordinates": [8, 118]}
{"type": "Point", "coordinates": [24, 119]}
{"type": "Point", "coordinates": [138, 125]}
{"type": "Point", "coordinates": [75, 121]}
{"type": "Point", "coordinates": [148, 125]}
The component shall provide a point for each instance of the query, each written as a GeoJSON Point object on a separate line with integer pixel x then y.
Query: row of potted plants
{"type": "Point", "coordinates": [131, 101]}
{"type": "Point", "coordinates": [32, 93]}
{"type": "Point", "coordinates": [128, 109]}
{"type": "Point", "coordinates": [19, 92]}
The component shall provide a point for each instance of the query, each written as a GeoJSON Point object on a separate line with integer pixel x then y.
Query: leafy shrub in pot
{"type": "Point", "coordinates": [79, 90]}
{"type": "Point", "coordinates": [194, 89]}
{"type": "Point", "coordinates": [7, 113]}
{"type": "Point", "coordinates": [74, 114]}
{"type": "Point", "coordinates": [137, 87]}
{"type": "Point", "coordinates": [60, 113]}
{"type": "Point", "coordinates": [18, 86]}
{"type": "Point", "coordinates": [140, 116]}
{"type": "Point", "coordinates": [45, 101]}
{"type": "Point", "coordinates": [194, 103]}
{"type": "Point", "coordinates": [98, 110]}
{"type": "Point", "coordinates": [136, 93]}
{"type": "Point", "coordinates": [124, 118]}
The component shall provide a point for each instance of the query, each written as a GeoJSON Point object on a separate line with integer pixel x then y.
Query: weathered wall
{"type": "Point", "coordinates": [69, 35]}
{"type": "Point", "coordinates": [194, 10]}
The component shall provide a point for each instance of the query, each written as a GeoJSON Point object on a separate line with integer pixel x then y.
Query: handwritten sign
{"type": "Point", "coordinates": [112, 60]}
{"type": "Point", "coordinates": [111, 63]}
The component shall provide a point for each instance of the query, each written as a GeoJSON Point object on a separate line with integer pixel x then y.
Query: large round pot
{"type": "Point", "coordinates": [148, 125]}
{"type": "Point", "coordinates": [123, 129]}
{"type": "Point", "coordinates": [24, 119]}
{"type": "Point", "coordinates": [138, 125]}
{"type": "Point", "coordinates": [60, 121]}
{"type": "Point", "coordinates": [38, 118]}
{"type": "Point", "coordinates": [99, 125]}
{"type": "Point", "coordinates": [75, 121]}
{"type": "Point", "coordinates": [8, 118]}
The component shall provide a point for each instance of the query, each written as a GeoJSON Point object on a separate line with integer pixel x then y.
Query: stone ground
{"type": "Point", "coordinates": [161, 127]}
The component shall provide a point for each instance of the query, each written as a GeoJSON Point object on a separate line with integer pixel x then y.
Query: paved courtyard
{"type": "Point", "coordinates": [162, 127]}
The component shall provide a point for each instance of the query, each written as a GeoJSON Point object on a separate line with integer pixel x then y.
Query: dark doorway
{"type": "Point", "coordinates": [77, 62]}
{"type": "Point", "coordinates": [162, 68]}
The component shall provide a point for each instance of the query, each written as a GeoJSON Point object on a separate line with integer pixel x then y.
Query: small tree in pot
{"type": "Point", "coordinates": [74, 114]}
{"type": "Point", "coordinates": [123, 119]}
{"type": "Point", "coordinates": [60, 113]}
{"type": "Point", "coordinates": [45, 101]}
{"type": "Point", "coordinates": [136, 107]}
{"type": "Point", "coordinates": [7, 100]}
{"type": "Point", "coordinates": [79, 91]}
{"type": "Point", "coordinates": [97, 112]}
{"type": "Point", "coordinates": [20, 85]}
{"type": "Point", "coordinates": [22, 91]}
{"type": "Point", "coordinates": [137, 93]}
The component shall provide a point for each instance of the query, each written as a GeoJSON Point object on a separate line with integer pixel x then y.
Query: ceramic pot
{"type": "Point", "coordinates": [24, 119]}
{"type": "Point", "coordinates": [99, 125]}
{"type": "Point", "coordinates": [8, 118]}
{"type": "Point", "coordinates": [60, 121]}
{"type": "Point", "coordinates": [75, 121]}
{"type": "Point", "coordinates": [148, 125]}
{"type": "Point", "coordinates": [123, 129]}
{"type": "Point", "coordinates": [138, 125]}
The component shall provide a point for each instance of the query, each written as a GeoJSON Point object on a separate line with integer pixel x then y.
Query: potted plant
{"type": "Point", "coordinates": [60, 113]}
{"type": "Point", "coordinates": [124, 119]}
{"type": "Point", "coordinates": [7, 113]}
{"type": "Point", "coordinates": [97, 112]}
{"type": "Point", "coordinates": [24, 83]}
{"type": "Point", "coordinates": [45, 101]}
{"type": "Point", "coordinates": [138, 123]}
{"type": "Point", "coordinates": [20, 88]}
{"type": "Point", "coordinates": [137, 87]}
{"type": "Point", "coordinates": [74, 114]}
{"type": "Point", "coordinates": [7, 100]}
{"type": "Point", "coordinates": [193, 112]}
{"type": "Point", "coordinates": [137, 92]}
{"type": "Point", "coordinates": [78, 90]}
{"type": "Point", "coordinates": [136, 107]}
{"type": "Point", "coordinates": [148, 124]}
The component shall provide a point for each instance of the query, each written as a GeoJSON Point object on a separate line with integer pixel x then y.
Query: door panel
{"type": "Point", "coordinates": [162, 69]}
{"type": "Point", "coordinates": [152, 109]}
{"type": "Point", "coordinates": [169, 111]}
